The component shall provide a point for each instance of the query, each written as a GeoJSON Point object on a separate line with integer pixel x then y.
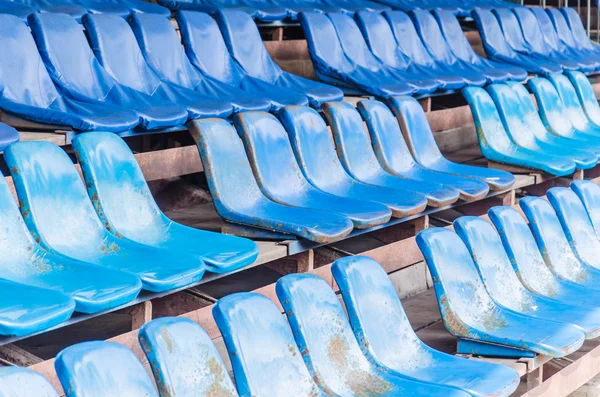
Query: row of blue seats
{"type": "Point", "coordinates": [137, 75]}
{"type": "Point", "coordinates": [92, 246]}
{"type": "Point", "coordinates": [461, 8]}
{"type": "Point", "coordinates": [394, 53]}
{"type": "Point", "coordinates": [511, 131]}
{"type": "Point", "coordinates": [78, 8]}
{"type": "Point", "coordinates": [541, 41]}
{"type": "Point", "coordinates": [518, 290]}
{"type": "Point", "coordinates": [292, 176]}
{"type": "Point", "coordinates": [317, 352]}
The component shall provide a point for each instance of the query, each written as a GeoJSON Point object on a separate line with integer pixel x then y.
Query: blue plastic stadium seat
{"type": "Point", "coordinates": [75, 69]}
{"type": "Point", "coordinates": [162, 50]}
{"type": "Point", "coordinates": [554, 246]}
{"type": "Point", "coordinates": [144, 7]}
{"type": "Point", "coordinates": [230, 178]}
{"type": "Point", "coordinates": [23, 382]}
{"type": "Point", "coordinates": [184, 360]}
{"type": "Point", "coordinates": [117, 50]}
{"type": "Point", "coordinates": [247, 48]}
{"type": "Point", "coordinates": [269, 149]}
{"type": "Point", "coordinates": [18, 10]}
{"type": "Point", "coordinates": [59, 214]}
{"type": "Point", "coordinates": [424, 149]}
{"type": "Point", "coordinates": [333, 65]}
{"type": "Point", "coordinates": [331, 351]}
{"type": "Point", "coordinates": [100, 369]}
{"type": "Point", "coordinates": [434, 41]}
{"type": "Point", "coordinates": [586, 96]}
{"type": "Point", "coordinates": [28, 90]}
{"type": "Point", "coordinates": [353, 145]}
{"type": "Point", "coordinates": [470, 313]}
{"type": "Point", "coordinates": [8, 135]}
{"type": "Point", "coordinates": [581, 40]}
{"type": "Point", "coordinates": [55, 6]}
{"type": "Point", "coordinates": [316, 154]}
{"type": "Point", "coordinates": [499, 43]}
{"type": "Point", "coordinates": [573, 106]}
{"type": "Point", "coordinates": [499, 275]}
{"type": "Point", "coordinates": [462, 49]}
{"type": "Point", "coordinates": [263, 353]}
{"type": "Point", "coordinates": [394, 155]}
{"type": "Point", "coordinates": [104, 7]}
{"type": "Point", "coordinates": [22, 260]}
{"type": "Point", "coordinates": [389, 340]}
{"type": "Point", "coordinates": [113, 177]}
{"type": "Point", "coordinates": [264, 11]}
{"type": "Point", "coordinates": [589, 194]}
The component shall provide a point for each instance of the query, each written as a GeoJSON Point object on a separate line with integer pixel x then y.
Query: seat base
{"type": "Point", "coordinates": [478, 348]}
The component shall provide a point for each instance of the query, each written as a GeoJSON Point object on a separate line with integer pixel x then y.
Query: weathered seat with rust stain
{"type": "Point", "coordinates": [378, 318]}
{"type": "Point", "coordinates": [61, 217]}
{"type": "Point", "coordinates": [332, 352]}
{"type": "Point", "coordinates": [23, 382]}
{"type": "Point", "coordinates": [483, 326]}
{"type": "Point", "coordinates": [184, 360]}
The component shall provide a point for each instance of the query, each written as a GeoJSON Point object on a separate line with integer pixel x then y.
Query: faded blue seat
{"type": "Point", "coordinates": [434, 41]}
{"type": "Point", "coordinates": [581, 40]}
{"type": "Point", "coordinates": [113, 177]}
{"type": "Point", "coordinates": [23, 382]}
{"type": "Point", "coordinates": [586, 96]}
{"type": "Point", "coordinates": [389, 340]}
{"type": "Point", "coordinates": [117, 50]}
{"type": "Point", "coordinates": [554, 246]}
{"type": "Point", "coordinates": [64, 221]}
{"type": "Point", "coordinates": [22, 260]}
{"type": "Point", "coordinates": [332, 64]}
{"type": "Point", "coordinates": [162, 50]}
{"type": "Point", "coordinates": [394, 155]}
{"type": "Point", "coordinates": [418, 136]}
{"type": "Point", "coordinates": [8, 135]}
{"type": "Point", "coordinates": [469, 312]}
{"type": "Point", "coordinates": [25, 310]}
{"type": "Point", "coordinates": [316, 154]}
{"type": "Point", "coordinates": [281, 179]}
{"type": "Point", "coordinates": [589, 194]}
{"type": "Point", "coordinates": [100, 369]}
{"type": "Point", "coordinates": [516, 125]}
{"type": "Point", "coordinates": [536, 126]}
{"type": "Point", "coordinates": [261, 346]}
{"type": "Point", "coordinates": [247, 48]}
{"type": "Point", "coordinates": [331, 351]}
{"type": "Point", "coordinates": [356, 49]}
{"type": "Point", "coordinates": [462, 49]}
{"type": "Point", "coordinates": [55, 6]}
{"type": "Point", "coordinates": [29, 92]}
{"type": "Point", "coordinates": [265, 11]}
{"type": "Point", "coordinates": [18, 10]}
{"type": "Point", "coordinates": [104, 7]}
{"type": "Point", "coordinates": [74, 68]}
{"type": "Point", "coordinates": [144, 7]}
{"type": "Point", "coordinates": [230, 178]}
{"type": "Point", "coordinates": [353, 145]}
{"type": "Point", "coordinates": [503, 137]}
{"type": "Point", "coordinates": [496, 44]}
{"type": "Point", "coordinates": [184, 360]}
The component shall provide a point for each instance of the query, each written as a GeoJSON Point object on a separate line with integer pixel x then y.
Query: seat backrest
{"type": "Point", "coordinates": [528, 108]}
{"type": "Point", "coordinates": [117, 187]}
{"type": "Point", "coordinates": [387, 334]}
{"type": "Point", "coordinates": [490, 129]}
{"type": "Point", "coordinates": [586, 95]}
{"type": "Point", "coordinates": [243, 40]}
{"type": "Point", "coordinates": [380, 38]}
{"type": "Point", "coordinates": [23, 78]}
{"type": "Point", "coordinates": [550, 105]}
{"type": "Point", "coordinates": [100, 369]}
{"type": "Point", "coordinates": [462, 298]}
{"type": "Point", "coordinates": [352, 42]}
{"type": "Point", "coordinates": [522, 251]}
{"type": "Point", "coordinates": [531, 30]}
{"type": "Point", "coordinates": [53, 199]}
{"type": "Point", "coordinates": [576, 223]}
{"type": "Point", "coordinates": [551, 239]}
{"type": "Point", "coordinates": [454, 35]}
{"type": "Point", "coordinates": [323, 334]}
{"type": "Point", "coordinates": [117, 50]}
{"type": "Point", "coordinates": [407, 38]}
{"type": "Point", "coordinates": [508, 106]}
{"type": "Point", "coordinates": [493, 264]}
{"type": "Point", "coordinates": [183, 359]}
{"type": "Point", "coordinates": [205, 47]}
{"type": "Point", "coordinates": [491, 33]}
{"type": "Point", "coordinates": [313, 145]}
{"type": "Point", "coordinates": [162, 49]}
{"type": "Point", "coordinates": [570, 100]}
{"type": "Point", "coordinates": [547, 28]}
{"type": "Point", "coordinates": [561, 27]}
{"type": "Point", "coordinates": [68, 56]}
{"type": "Point", "coordinates": [386, 137]}
{"type": "Point", "coordinates": [511, 30]}
{"type": "Point", "coordinates": [576, 25]}
{"type": "Point", "coordinates": [432, 36]}
{"type": "Point", "coordinates": [589, 194]}
{"type": "Point", "coordinates": [23, 382]}
{"type": "Point", "coordinates": [228, 171]}
{"type": "Point", "coordinates": [261, 346]}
